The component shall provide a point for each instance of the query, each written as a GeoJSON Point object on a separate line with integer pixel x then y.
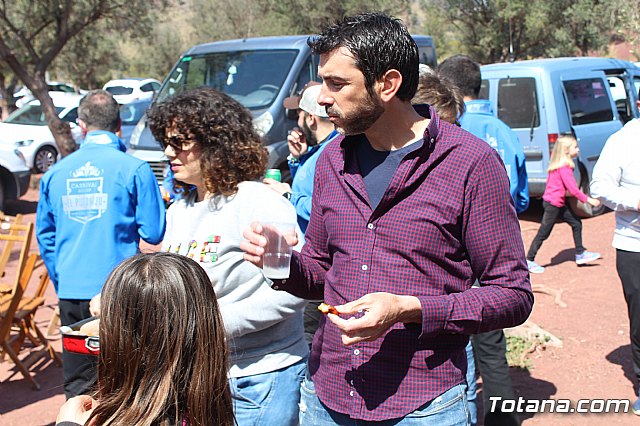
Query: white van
{"type": "Point", "coordinates": [590, 98]}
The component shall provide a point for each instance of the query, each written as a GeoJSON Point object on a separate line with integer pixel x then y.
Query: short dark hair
{"type": "Point", "coordinates": [378, 44]}
{"type": "Point", "coordinates": [232, 150]}
{"type": "Point", "coordinates": [464, 72]}
{"type": "Point", "coordinates": [99, 111]}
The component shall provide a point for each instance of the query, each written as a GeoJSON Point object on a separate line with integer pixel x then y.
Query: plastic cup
{"type": "Point", "coordinates": [277, 253]}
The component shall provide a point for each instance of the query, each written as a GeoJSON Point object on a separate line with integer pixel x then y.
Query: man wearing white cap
{"type": "Point", "coordinates": [305, 145]}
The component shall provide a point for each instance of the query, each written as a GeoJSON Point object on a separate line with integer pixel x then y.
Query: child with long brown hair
{"type": "Point", "coordinates": [163, 357]}
{"type": "Point", "coordinates": [560, 181]}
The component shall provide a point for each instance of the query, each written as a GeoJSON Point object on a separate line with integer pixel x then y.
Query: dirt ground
{"type": "Point", "coordinates": [594, 361]}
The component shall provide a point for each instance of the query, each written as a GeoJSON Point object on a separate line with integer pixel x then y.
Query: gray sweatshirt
{"type": "Point", "coordinates": [264, 326]}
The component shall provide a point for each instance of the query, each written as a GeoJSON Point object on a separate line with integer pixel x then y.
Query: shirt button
{"type": "Point", "coordinates": [356, 352]}
{"type": "Point", "coordinates": [351, 393]}
{"type": "Point", "coordinates": [365, 267]}
{"type": "Point", "coordinates": [275, 287]}
{"type": "Point", "coordinates": [370, 226]}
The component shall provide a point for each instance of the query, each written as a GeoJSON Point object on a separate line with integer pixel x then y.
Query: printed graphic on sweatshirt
{"type": "Point", "coordinates": [85, 200]}
{"type": "Point", "coordinates": [201, 251]}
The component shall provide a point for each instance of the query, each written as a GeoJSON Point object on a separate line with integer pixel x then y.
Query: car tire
{"type": "Point", "coordinates": [44, 159]}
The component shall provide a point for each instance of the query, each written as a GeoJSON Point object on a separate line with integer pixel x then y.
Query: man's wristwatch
{"type": "Point", "coordinates": [287, 195]}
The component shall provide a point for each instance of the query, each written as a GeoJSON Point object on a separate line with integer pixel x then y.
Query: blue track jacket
{"type": "Point", "coordinates": [479, 120]}
{"type": "Point", "coordinates": [94, 207]}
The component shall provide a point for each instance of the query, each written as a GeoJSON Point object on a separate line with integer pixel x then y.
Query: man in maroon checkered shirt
{"type": "Point", "coordinates": [408, 211]}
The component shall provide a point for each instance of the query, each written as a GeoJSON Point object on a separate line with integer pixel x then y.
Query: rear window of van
{"type": "Point", "coordinates": [518, 102]}
{"type": "Point", "coordinates": [589, 100]}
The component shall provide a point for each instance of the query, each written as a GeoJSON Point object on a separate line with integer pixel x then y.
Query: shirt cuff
{"type": "Point", "coordinates": [435, 310]}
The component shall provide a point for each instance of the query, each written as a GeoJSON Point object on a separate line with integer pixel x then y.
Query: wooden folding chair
{"type": "Point", "coordinates": [6, 322]}
{"type": "Point", "coordinates": [24, 317]}
{"type": "Point", "coordinates": [5, 254]}
{"type": "Point", "coordinates": [20, 233]}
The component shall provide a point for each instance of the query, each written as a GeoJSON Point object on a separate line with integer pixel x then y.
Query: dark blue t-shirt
{"type": "Point", "coordinates": [378, 167]}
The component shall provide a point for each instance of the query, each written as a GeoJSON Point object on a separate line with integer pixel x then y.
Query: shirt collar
{"type": "Point", "coordinates": [479, 106]}
{"type": "Point", "coordinates": [105, 138]}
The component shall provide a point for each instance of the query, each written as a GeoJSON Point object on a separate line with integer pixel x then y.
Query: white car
{"type": "Point", "coordinates": [26, 129]}
{"type": "Point", "coordinates": [14, 174]}
{"type": "Point", "coordinates": [132, 89]}
{"type": "Point", "coordinates": [24, 95]}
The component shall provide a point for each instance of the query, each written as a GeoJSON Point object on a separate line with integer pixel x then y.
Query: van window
{"type": "Point", "coordinates": [252, 77]}
{"type": "Point", "coordinates": [484, 90]}
{"type": "Point", "coordinates": [307, 73]}
{"type": "Point", "coordinates": [588, 101]}
{"type": "Point", "coordinates": [427, 55]}
{"type": "Point", "coordinates": [620, 98]}
{"type": "Point", "coordinates": [518, 102]}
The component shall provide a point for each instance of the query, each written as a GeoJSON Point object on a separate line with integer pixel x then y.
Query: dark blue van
{"type": "Point", "coordinates": [259, 73]}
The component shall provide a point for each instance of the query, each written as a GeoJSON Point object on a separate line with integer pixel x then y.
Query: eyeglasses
{"type": "Point", "coordinates": [177, 143]}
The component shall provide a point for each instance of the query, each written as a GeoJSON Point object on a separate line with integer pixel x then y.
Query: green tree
{"type": "Point", "coordinates": [500, 30]}
{"type": "Point", "coordinates": [254, 18]}
{"type": "Point", "coordinates": [34, 33]}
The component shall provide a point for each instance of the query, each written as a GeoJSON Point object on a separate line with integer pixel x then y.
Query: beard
{"type": "Point", "coordinates": [309, 135]}
{"type": "Point", "coordinates": [364, 116]}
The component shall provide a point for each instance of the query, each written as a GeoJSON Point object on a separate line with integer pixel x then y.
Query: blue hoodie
{"type": "Point", "coordinates": [479, 120]}
{"type": "Point", "coordinates": [94, 207]}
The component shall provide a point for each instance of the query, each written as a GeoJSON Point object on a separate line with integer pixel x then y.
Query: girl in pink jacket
{"type": "Point", "coordinates": [560, 181]}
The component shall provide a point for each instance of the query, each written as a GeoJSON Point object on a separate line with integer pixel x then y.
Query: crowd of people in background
{"type": "Point", "coordinates": [405, 188]}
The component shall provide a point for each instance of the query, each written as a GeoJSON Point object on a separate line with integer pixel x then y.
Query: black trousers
{"type": "Point", "coordinates": [628, 266]}
{"type": "Point", "coordinates": [79, 371]}
{"type": "Point", "coordinates": [549, 217]}
{"type": "Point", "coordinates": [490, 356]}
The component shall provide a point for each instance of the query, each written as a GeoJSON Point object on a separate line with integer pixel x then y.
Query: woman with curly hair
{"type": "Point", "coordinates": [218, 160]}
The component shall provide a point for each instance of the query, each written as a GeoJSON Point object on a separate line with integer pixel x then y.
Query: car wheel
{"type": "Point", "coordinates": [44, 159]}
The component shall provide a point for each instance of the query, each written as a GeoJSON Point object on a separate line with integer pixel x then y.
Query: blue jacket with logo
{"type": "Point", "coordinates": [479, 120]}
{"type": "Point", "coordinates": [94, 207]}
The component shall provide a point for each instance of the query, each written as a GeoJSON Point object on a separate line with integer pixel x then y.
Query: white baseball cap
{"type": "Point", "coordinates": [308, 101]}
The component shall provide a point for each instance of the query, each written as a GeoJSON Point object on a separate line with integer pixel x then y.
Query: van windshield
{"type": "Point", "coordinates": [252, 77]}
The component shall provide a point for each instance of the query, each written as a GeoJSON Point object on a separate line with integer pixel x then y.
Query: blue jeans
{"type": "Point", "coordinates": [472, 387]}
{"type": "Point", "coordinates": [270, 398]}
{"type": "Point", "coordinates": [448, 409]}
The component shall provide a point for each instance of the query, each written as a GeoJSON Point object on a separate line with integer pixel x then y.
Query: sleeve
{"type": "Point", "coordinates": [265, 308]}
{"type": "Point", "coordinates": [492, 239]}
{"type": "Point", "coordinates": [302, 190]}
{"type": "Point", "coordinates": [607, 175]}
{"type": "Point", "coordinates": [569, 182]}
{"type": "Point", "coordinates": [310, 266]}
{"type": "Point", "coordinates": [46, 232]}
{"type": "Point", "coordinates": [521, 199]}
{"type": "Point", "coordinates": [150, 209]}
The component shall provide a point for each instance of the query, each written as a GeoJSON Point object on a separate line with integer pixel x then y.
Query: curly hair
{"type": "Point", "coordinates": [231, 150]}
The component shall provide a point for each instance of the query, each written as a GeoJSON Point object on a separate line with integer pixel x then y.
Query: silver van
{"type": "Point", "coordinates": [542, 99]}
{"type": "Point", "coordinates": [259, 73]}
